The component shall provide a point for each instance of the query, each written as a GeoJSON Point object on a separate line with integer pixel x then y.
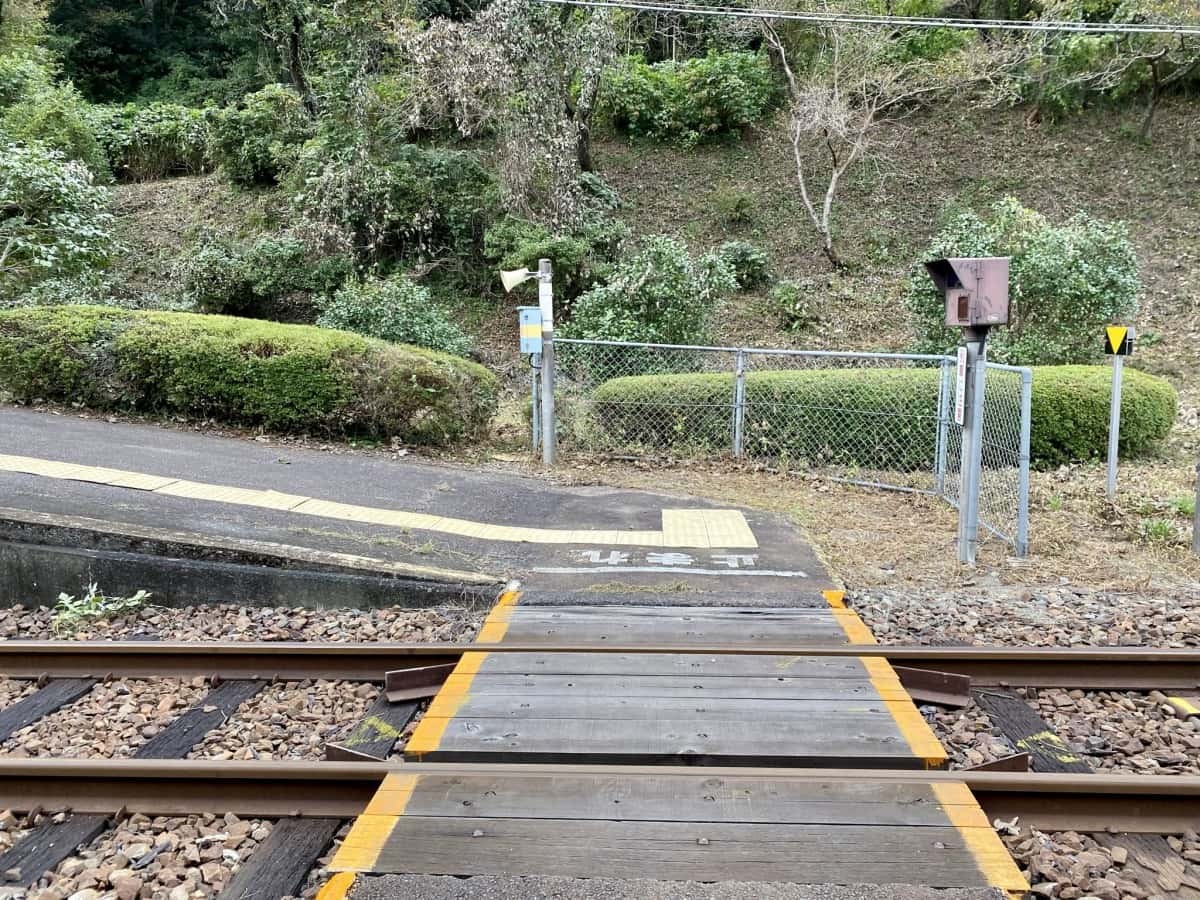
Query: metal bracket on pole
{"type": "Point", "coordinates": [739, 405]}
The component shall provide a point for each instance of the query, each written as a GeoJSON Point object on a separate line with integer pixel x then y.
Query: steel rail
{"type": "Point", "coordinates": [1047, 801]}
{"type": "Point", "coordinates": [1089, 668]}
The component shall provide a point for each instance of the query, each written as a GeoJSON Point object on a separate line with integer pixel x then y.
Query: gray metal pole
{"type": "Point", "coordinates": [1196, 515]}
{"type": "Point", "coordinates": [1114, 425]}
{"type": "Point", "coordinates": [943, 429]}
{"type": "Point", "coordinates": [739, 405]}
{"type": "Point", "coordinates": [535, 374]}
{"type": "Point", "coordinates": [546, 302]}
{"type": "Point", "coordinates": [972, 446]}
{"type": "Point", "coordinates": [1022, 542]}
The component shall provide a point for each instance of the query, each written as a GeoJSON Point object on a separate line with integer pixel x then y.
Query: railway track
{"type": "Point", "coordinates": [283, 788]}
{"type": "Point", "coordinates": [315, 798]}
{"type": "Point", "coordinates": [1090, 668]}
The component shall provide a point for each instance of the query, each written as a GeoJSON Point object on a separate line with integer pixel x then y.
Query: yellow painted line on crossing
{"type": "Point", "coordinates": [495, 626]}
{"type": "Point", "coordinates": [362, 844]}
{"type": "Point", "coordinates": [911, 724]}
{"type": "Point", "coordinates": [991, 857]}
{"type": "Point", "coordinates": [456, 689]}
{"type": "Point", "coordinates": [337, 887]}
{"type": "Point", "coordinates": [702, 529]}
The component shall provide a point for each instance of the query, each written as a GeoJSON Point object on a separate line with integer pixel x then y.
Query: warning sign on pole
{"type": "Point", "coordinates": [1118, 340]}
{"type": "Point", "coordinates": [960, 387]}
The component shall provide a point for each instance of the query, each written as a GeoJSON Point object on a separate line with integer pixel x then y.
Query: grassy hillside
{"type": "Point", "coordinates": [886, 215]}
{"type": "Point", "coordinates": [889, 212]}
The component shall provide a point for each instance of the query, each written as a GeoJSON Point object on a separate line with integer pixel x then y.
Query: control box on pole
{"type": "Point", "coordinates": [976, 295]}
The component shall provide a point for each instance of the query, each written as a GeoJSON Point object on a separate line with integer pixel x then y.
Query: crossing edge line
{"type": "Point", "coordinates": [990, 855]}
{"type": "Point", "coordinates": [911, 724]}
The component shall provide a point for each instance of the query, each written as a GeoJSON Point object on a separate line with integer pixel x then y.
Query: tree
{"type": "Point", "coordinates": [283, 25]}
{"type": "Point", "coordinates": [532, 74]}
{"type": "Point", "coordinates": [841, 91]}
{"type": "Point", "coordinates": [1129, 64]}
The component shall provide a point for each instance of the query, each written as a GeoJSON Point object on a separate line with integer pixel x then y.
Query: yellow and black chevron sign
{"type": "Point", "coordinates": [1118, 340]}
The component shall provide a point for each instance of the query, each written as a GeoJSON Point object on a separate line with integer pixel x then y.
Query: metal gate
{"type": "Point", "coordinates": [882, 420]}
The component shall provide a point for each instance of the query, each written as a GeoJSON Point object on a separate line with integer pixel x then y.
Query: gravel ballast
{"type": "Point", "coordinates": [233, 623]}
{"type": "Point", "coordinates": [1113, 731]}
{"type": "Point", "coordinates": [1075, 866]}
{"type": "Point", "coordinates": [289, 720]}
{"type": "Point", "coordinates": [1038, 617]}
{"type": "Point", "coordinates": [110, 721]}
{"type": "Point", "coordinates": [173, 858]}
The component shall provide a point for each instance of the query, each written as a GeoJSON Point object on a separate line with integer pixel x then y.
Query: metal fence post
{"type": "Point", "coordinates": [972, 449]}
{"type": "Point", "coordinates": [1022, 538]}
{"type": "Point", "coordinates": [739, 404]}
{"type": "Point", "coordinates": [535, 375]}
{"type": "Point", "coordinates": [943, 429]}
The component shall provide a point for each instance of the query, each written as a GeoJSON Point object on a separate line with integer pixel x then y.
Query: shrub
{"type": "Point", "coordinates": [223, 277]}
{"type": "Point", "coordinates": [733, 207]}
{"type": "Point", "coordinates": [56, 117]}
{"type": "Point", "coordinates": [145, 143]}
{"type": "Point", "coordinates": [689, 101]}
{"type": "Point", "coordinates": [659, 295]}
{"type": "Point", "coordinates": [415, 205]}
{"type": "Point", "coordinates": [803, 414]}
{"type": "Point", "coordinates": [793, 305]}
{"type": "Point", "coordinates": [19, 77]}
{"type": "Point", "coordinates": [1070, 413]}
{"type": "Point", "coordinates": [395, 309]}
{"type": "Point", "coordinates": [749, 264]}
{"type": "Point", "coordinates": [1066, 282]}
{"type": "Point", "coordinates": [245, 371]}
{"type": "Point", "coordinates": [255, 141]}
{"type": "Point", "coordinates": [55, 222]}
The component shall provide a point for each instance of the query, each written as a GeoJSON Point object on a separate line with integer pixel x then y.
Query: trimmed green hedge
{"type": "Point", "coordinates": [872, 418]}
{"type": "Point", "coordinates": [1070, 413]}
{"type": "Point", "coordinates": [246, 371]}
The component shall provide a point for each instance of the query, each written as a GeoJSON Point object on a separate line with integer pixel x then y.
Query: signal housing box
{"type": "Point", "coordinates": [976, 289]}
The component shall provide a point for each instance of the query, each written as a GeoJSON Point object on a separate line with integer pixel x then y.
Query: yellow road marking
{"type": "Point", "coordinates": [990, 855]}
{"type": "Point", "coordinates": [456, 689]}
{"type": "Point", "coordinates": [393, 795]}
{"type": "Point", "coordinates": [701, 529]}
{"type": "Point", "coordinates": [836, 599]}
{"type": "Point", "coordinates": [496, 624]}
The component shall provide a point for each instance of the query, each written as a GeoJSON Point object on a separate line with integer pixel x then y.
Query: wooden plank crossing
{"type": "Point", "coordinates": [678, 827]}
{"type": "Point", "coordinates": [638, 708]}
{"type": "Point", "coordinates": [679, 625]}
{"type": "Point", "coordinates": [763, 710]}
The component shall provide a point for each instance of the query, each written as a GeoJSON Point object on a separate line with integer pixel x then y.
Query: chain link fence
{"type": "Point", "coordinates": [883, 420]}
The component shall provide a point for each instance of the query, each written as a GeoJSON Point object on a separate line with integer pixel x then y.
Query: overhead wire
{"type": "Point", "coordinates": [889, 21]}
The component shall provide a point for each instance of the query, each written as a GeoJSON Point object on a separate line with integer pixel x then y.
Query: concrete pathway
{"type": "Point", "coordinates": [563, 539]}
